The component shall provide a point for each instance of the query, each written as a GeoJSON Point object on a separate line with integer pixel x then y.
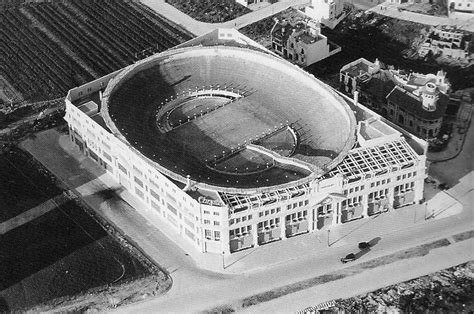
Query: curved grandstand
{"type": "Point", "coordinates": [229, 117]}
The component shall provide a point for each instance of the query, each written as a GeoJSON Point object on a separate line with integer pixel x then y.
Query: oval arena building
{"type": "Point", "coordinates": [234, 147]}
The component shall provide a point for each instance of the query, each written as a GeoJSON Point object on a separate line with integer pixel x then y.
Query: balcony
{"type": "Point", "coordinates": [269, 234]}
{"type": "Point", "coordinates": [351, 212]}
{"type": "Point", "coordinates": [296, 226]}
{"type": "Point", "coordinates": [378, 205]}
{"type": "Point", "coordinates": [324, 220]}
{"type": "Point", "coordinates": [405, 197]}
{"type": "Point", "coordinates": [241, 242]}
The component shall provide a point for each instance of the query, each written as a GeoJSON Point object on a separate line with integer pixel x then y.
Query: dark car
{"type": "Point", "coordinates": [364, 245]}
{"type": "Point", "coordinates": [348, 258]}
{"type": "Point", "coordinates": [443, 186]}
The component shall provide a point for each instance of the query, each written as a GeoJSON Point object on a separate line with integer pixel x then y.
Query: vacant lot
{"type": "Point", "coordinates": [60, 253]}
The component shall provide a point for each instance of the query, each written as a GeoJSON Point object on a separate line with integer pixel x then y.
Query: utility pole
{"type": "Point", "coordinates": [223, 264]}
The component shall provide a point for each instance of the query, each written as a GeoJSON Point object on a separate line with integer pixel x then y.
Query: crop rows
{"type": "Point", "coordinates": [48, 48]}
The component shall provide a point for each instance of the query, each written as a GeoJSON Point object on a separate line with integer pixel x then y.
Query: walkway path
{"type": "Point", "coordinates": [199, 28]}
{"type": "Point", "coordinates": [391, 10]}
{"type": "Point", "coordinates": [33, 213]}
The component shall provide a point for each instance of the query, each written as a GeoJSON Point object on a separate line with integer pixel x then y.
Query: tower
{"type": "Point", "coordinates": [429, 96]}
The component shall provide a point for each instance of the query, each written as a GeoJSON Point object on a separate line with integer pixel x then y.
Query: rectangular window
{"type": "Point", "coordinates": [155, 206]}
{"type": "Point", "coordinates": [207, 234]}
{"type": "Point", "coordinates": [216, 213]}
{"type": "Point", "coordinates": [288, 206]}
{"type": "Point", "coordinates": [153, 193]}
{"type": "Point", "coordinates": [138, 181]}
{"type": "Point", "coordinates": [107, 156]}
{"type": "Point", "coordinates": [260, 214]}
{"type": "Point", "coordinates": [189, 233]}
{"type": "Point", "coordinates": [139, 193]}
{"type": "Point", "coordinates": [306, 202]}
{"type": "Point", "coordinates": [172, 209]}
{"type": "Point", "coordinates": [207, 222]}
{"type": "Point", "coordinates": [216, 223]}
{"type": "Point", "coordinates": [217, 235]}
{"type": "Point", "coordinates": [206, 212]}
{"type": "Point", "coordinates": [122, 168]}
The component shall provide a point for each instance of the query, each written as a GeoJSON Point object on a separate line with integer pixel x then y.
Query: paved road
{"type": "Point", "coordinates": [200, 28]}
{"type": "Point", "coordinates": [188, 279]}
{"type": "Point", "coordinates": [391, 10]}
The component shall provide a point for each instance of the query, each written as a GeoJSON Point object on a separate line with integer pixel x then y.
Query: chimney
{"type": "Point", "coordinates": [188, 183]}
{"type": "Point", "coordinates": [356, 98]}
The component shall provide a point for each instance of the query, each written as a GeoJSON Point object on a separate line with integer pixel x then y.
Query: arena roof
{"type": "Point", "coordinates": [229, 117]}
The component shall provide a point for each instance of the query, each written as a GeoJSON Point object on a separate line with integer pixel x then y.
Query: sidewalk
{"type": "Point", "coordinates": [85, 178]}
{"type": "Point", "coordinates": [458, 136]}
{"type": "Point", "coordinates": [391, 10]}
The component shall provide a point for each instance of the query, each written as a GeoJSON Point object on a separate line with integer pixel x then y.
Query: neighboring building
{"type": "Point", "coordinates": [301, 42]}
{"type": "Point", "coordinates": [327, 12]}
{"type": "Point", "coordinates": [446, 42]}
{"type": "Point", "coordinates": [343, 162]}
{"type": "Point", "coordinates": [246, 3]}
{"type": "Point", "coordinates": [461, 8]}
{"type": "Point", "coordinates": [420, 111]}
{"type": "Point", "coordinates": [354, 74]}
{"type": "Point", "coordinates": [400, 97]}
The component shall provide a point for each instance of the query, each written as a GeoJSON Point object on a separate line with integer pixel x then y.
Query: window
{"type": "Point", "coordinates": [207, 222]}
{"type": "Point", "coordinates": [207, 234]}
{"type": "Point", "coordinates": [206, 212]}
{"type": "Point", "coordinates": [288, 206]}
{"type": "Point", "coordinates": [122, 168]}
{"type": "Point", "coordinates": [216, 223]}
{"type": "Point", "coordinates": [217, 235]}
{"type": "Point", "coordinates": [138, 181]}
{"type": "Point", "coordinates": [153, 193]}
{"type": "Point", "coordinates": [272, 211]}
{"type": "Point", "coordinates": [306, 202]}
{"type": "Point", "coordinates": [260, 214]}
{"type": "Point", "coordinates": [216, 213]}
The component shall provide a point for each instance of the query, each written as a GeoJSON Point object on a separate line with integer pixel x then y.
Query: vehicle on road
{"type": "Point", "coordinates": [443, 186]}
{"type": "Point", "coordinates": [348, 258]}
{"type": "Point", "coordinates": [364, 245]}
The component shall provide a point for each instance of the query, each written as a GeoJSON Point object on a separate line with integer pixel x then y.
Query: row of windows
{"type": "Point", "coordinates": [406, 175]}
{"type": "Point", "coordinates": [274, 222]}
{"type": "Point", "coordinates": [380, 182]}
{"type": "Point", "coordinates": [353, 201]}
{"type": "Point", "coordinates": [206, 212]}
{"type": "Point", "coordinates": [208, 234]}
{"type": "Point", "coordinates": [354, 189]}
{"type": "Point", "coordinates": [269, 212]}
{"type": "Point", "coordinates": [296, 216]}
{"type": "Point", "coordinates": [297, 204]}
{"type": "Point", "coordinates": [378, 194]}
{"type": "Point", "coordinates": [208, 222]}
{"type": "Point", "coordinates": [240, 219]}
{"type": "Point", "coordinates": [240, 231]}
{"type": "Point", "coordinates": [404, 187]}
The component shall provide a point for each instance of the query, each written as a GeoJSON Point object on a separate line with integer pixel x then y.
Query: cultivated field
{"type": "Point", "coordinates": [50, 247]}
{"type": "Point", "coordinates": [48, 48]}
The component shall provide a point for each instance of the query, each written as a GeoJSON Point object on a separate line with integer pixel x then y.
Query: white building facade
{"type": "Point", "coordinates": [384, 171]}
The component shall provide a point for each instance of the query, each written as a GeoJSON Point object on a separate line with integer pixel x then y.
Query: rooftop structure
{"type": "Point", "coordinates": [301, 41]}
{"type": "Point", "coordinates": [445, 41]}
{"type": "Point", "coordinates": [209, 142]}
{"type": "Point", "coordinates": [327, 12]}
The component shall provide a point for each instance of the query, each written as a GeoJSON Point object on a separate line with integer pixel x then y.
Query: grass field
{"type": "Point", "coordinates": [62, 252]}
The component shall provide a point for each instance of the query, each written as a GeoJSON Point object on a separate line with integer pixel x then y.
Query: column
{"type": "Point", "coordinates": [311, 219]}
{"type": "Point", "coordinates": [255, 235]}
{"type": "Point", "coordinates": [418, 188]}
{"type": "Point", "coordinates": [336, 211]}
{"type": "Point", "coordinates": [365, 205]}
{"type": "Point", "coordinates": [225, 241]}
{"type": "Point", "coordinates": [391, 194]}
{"type": "Point", "coordinates": [283, 226]}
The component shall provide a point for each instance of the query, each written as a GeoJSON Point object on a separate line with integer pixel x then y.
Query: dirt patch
{"type": "Point", "coordinates": [449, 290]}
